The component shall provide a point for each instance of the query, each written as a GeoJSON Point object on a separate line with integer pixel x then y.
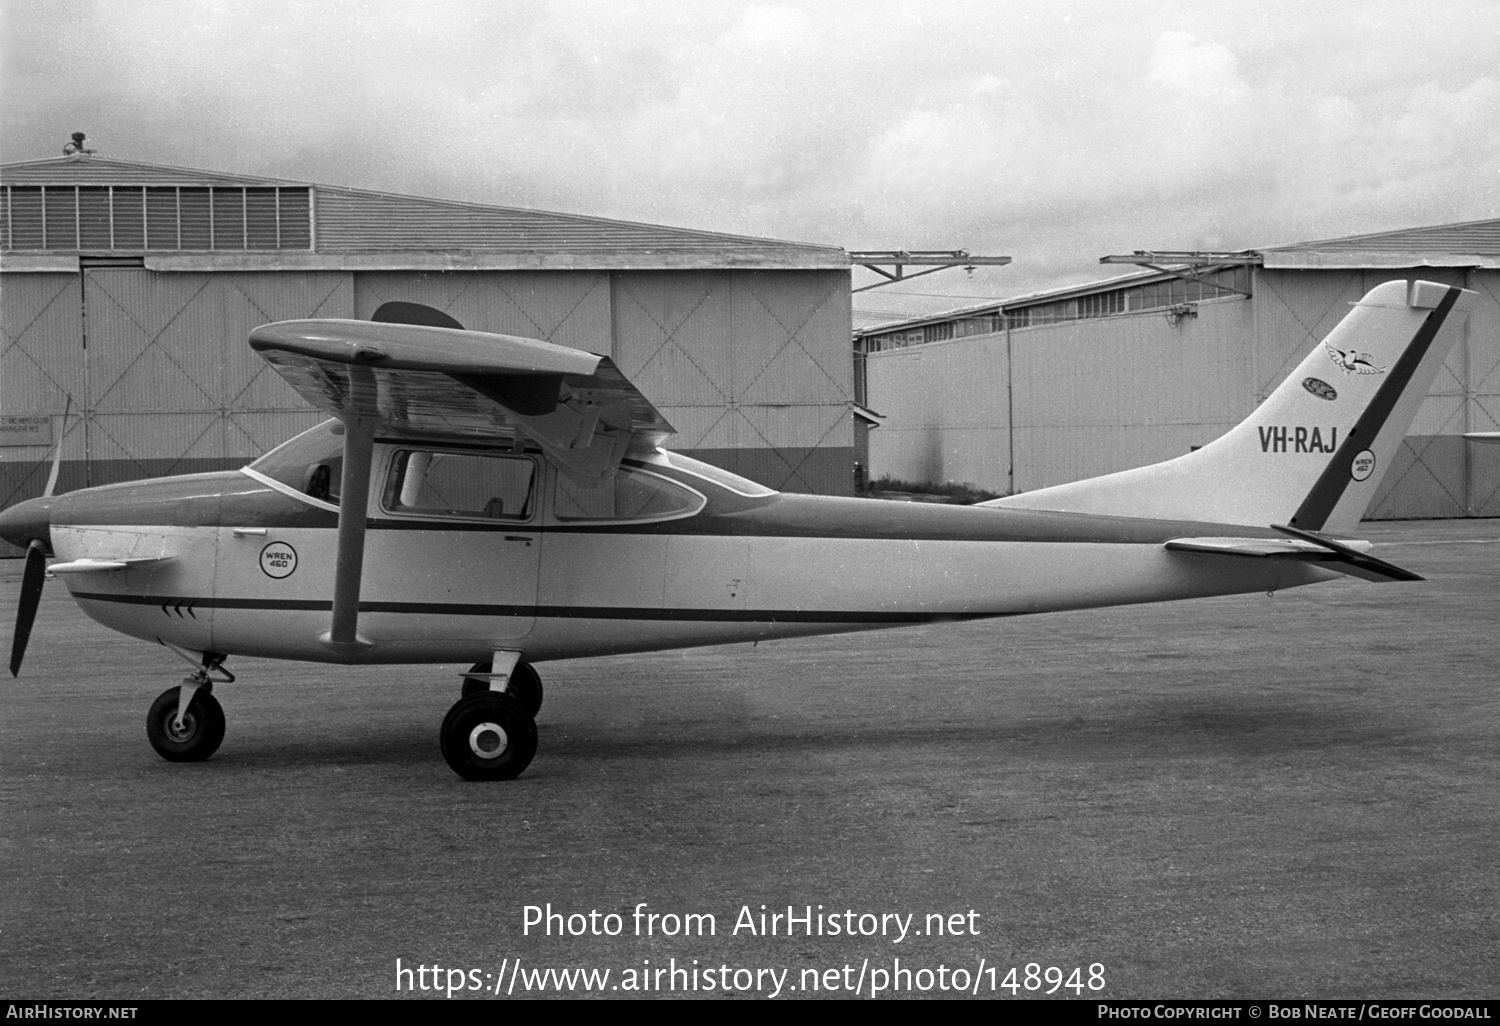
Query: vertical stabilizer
{"type": "Point", "coordinates": [1314, 452]}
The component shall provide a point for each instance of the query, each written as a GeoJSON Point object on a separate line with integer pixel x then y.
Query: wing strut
{"type": "Point", "coordinates": [343, 636]}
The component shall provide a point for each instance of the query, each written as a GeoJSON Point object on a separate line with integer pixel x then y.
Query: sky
{"type": "Point", "coordinates": [1052, 132]}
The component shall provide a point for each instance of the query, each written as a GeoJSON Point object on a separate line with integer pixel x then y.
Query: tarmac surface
{"type": "Point", "coordinates": [1278, 797]}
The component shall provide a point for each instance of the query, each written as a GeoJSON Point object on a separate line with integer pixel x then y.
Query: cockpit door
{"type": "Point", "coordinates": [453, 547]}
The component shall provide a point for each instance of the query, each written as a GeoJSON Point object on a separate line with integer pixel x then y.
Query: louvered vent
{"type": "Point", "coordinates": [114, 218]}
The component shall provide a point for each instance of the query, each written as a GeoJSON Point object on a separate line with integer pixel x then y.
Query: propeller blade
{"type": "Point", "coordinates": [31, 597]}
{"type": "Point", "coordinates": [57, 455]}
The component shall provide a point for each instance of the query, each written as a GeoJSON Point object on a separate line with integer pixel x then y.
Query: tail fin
{"type": "Point", "coordinates": [1314, 452]}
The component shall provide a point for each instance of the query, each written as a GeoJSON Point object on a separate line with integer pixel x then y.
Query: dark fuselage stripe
{"type": "Point", "coordinates": [554, 612]}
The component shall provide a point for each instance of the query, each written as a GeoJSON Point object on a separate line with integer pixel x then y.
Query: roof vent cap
{"type": "Point", "coordinates": [75, 148]}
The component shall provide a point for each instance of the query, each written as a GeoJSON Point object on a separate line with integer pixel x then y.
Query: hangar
{"type": "Point", "coordinates": [1072, 383]}
{"type": "Point", "coordinates": [131, 288]}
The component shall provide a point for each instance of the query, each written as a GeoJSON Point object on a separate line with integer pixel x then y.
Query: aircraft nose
{"type": "Point", "coordinates": [27, 520]}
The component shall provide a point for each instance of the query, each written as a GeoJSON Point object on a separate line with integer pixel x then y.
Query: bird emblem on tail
{"type": "Point", "coordinates": [1352, 362]}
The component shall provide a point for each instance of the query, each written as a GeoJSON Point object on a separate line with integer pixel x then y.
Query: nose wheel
{"type": "Point", "coordinates": [488, 736]}
{"type": "Point", "coordinates": [191, 737]}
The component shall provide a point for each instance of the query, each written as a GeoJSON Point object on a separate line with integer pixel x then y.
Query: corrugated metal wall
{"type": "Point", "coordinates": [945, 405]}
{"type": "Point", "coordinates": [1090, 397]}
{"type": "Point", "coordinates": [166, 384]}
{"type": "Point", "coordinates": [569, 308]}
{"type": "Point", "coordinates": [1091, 401]}
{"type": "Point", "coordinates": [1105, 394]}
{"type": "Point", "coordinates": [172, 386]}
{"type": "Point", "coordinates": [41, 317]}
{"type": "Point", "coordinates": [751, 367]}
{"type": "Point", "coordinates": [1482, 411]}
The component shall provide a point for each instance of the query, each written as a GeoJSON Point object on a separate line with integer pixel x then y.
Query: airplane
{"type": "Point", "coordinates": [505, 501]}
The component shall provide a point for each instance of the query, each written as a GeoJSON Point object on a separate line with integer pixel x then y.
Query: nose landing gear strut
{"type": "Point", "coordinates": [186, 723]}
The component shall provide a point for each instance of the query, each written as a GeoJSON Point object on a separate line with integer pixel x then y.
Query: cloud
{"type": "Point", "coordinates": [1199, 69]}
{"type": "Point", "coordinates": [779, 27]}
{"type": "Point", "coordinates": [1054, 132]}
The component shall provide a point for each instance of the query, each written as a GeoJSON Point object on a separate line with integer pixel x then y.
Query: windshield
{"type": "Point", "coordinates": [719, 476]}
{"type": "Point", "coordinates": [311, 462]}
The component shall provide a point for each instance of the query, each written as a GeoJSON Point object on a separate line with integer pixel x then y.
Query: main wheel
{"type": "Point", "coordinates": [525, 686]}
{"type": "Point", "coordinates": [488, 736]}
{"type": "Point", "coordinates": [202, 729]}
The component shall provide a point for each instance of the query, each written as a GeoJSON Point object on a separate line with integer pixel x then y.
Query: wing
{"type": "Point", "coordinates": [433, 383]}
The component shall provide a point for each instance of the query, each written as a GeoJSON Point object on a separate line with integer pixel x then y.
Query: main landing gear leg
{"type": "Point", "coordinates": [186, 723]}
{"type": "Point", "coordinates": [524, 684]}
{"type": "Point", "coordinates": [490, 733]}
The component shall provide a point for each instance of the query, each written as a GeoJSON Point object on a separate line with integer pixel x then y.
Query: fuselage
{"type": "Point", "coordinates": [677, 554]}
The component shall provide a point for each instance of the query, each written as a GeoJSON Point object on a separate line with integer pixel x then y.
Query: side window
{"type": "Point", "coordinates": [454, 484]}
{"type": "Point", "coordinates": [628, 494]}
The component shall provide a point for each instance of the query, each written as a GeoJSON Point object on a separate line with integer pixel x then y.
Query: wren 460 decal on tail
{"type": "Point", "coordinates": [502, 501]}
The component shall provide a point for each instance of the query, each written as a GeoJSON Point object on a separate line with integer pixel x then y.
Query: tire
{"type": "Point", "coordinates": [488, 736]}
{"type": "Point", "coordinates": [525, 686]}
{"type": "Point", "coordinates": [203, 726]}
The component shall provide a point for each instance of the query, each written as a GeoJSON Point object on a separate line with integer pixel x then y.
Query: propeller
{"type": "Point", "coordinates": [29, 523]}
{"type": "Point", "coordinates": [31, 597]}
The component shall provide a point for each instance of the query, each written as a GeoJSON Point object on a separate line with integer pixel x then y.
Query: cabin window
{"type": "Point", "coordinates": [311, 463]}
{"type": "Point", "coordinates": [460, 484]}
{"type": "Point", "coordinates": [627, 494]}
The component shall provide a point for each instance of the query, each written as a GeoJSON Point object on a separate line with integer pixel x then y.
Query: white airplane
{"type": "Point", "coordinates": [504, 501]}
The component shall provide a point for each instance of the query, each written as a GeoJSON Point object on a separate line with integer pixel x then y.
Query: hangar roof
{"type": "Point", "coordinates": [246, 222]}
{"type": "Point", "coordinates": [1467, 244]}
{"type": "Point", "coordinates": [1049, 305]}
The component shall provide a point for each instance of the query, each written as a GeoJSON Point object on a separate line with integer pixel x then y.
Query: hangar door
{"type": "Point", "coordinates": [161, 379]}
{"type": "Point", "coordinates": [568, 308]}
{"type": "Point", "coordinates": [751, 367]}
{"type": "Point", "coordinates": [172, 386]}
{"type": "Point", "coordinates": [41, 321]}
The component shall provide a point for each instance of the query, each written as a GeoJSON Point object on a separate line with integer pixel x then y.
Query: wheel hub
{"type": "Point", "coordinates": [488, 740]}
{"type": "Point", "coordinates": [184, 732]}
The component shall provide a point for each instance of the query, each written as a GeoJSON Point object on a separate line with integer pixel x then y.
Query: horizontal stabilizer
{"type": "Point", "coordinates": [1353, 561]}
{"type": "Point", "coordinates": [92, 566]}
{"type": "Point", "coordinates": [1266, 548]}
{"type": "Point", "coordinates": [1301, 546]}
